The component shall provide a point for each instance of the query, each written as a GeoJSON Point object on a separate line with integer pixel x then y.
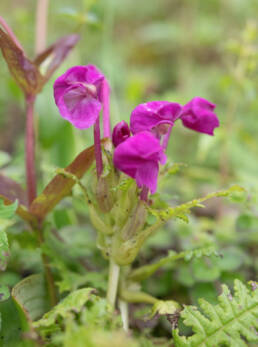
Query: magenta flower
{"type": "Point", "coordinates": [121, 132]}
{"type": "Point", "coordinates": [198, 115]}
{"type": "Point", "coordinates": [155, 116]}
{"type": "Point", "coordinates": [139, 158]}
{"type": "Point", "coordinates": [78, 95]}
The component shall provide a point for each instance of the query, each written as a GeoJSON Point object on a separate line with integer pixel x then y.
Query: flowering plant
{"type": "Point", "coordinates": [121, 200]}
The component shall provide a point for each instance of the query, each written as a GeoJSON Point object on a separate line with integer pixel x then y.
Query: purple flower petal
{"type": "Point", "coordinates": [147, 175]}
{"type": "Point", "coordinates": [138, 156]}
{"type": "Point", "coordinates": [153, 116]}
{"type": "Point", "coordinates": [76, 95]}
{"type": "Point", "coordinates": [198, 115]}
{"type": "Point", "coordinates": [121, 132]}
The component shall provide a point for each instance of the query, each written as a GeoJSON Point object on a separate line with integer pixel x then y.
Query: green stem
{"type": "Point", "coordinates": [49, 277]}
{"type": "Point", "coordinates": [113, 278]}
{"type": "Point", "coordinates": [123, 306]}
{"type": "Point", "coordinates": [136, 297]}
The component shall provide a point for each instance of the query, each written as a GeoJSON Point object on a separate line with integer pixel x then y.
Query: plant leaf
{"type": "Point", "coordinates": [12, 190]}
{"type": "Point", "coordinates": [60, 186]}
{"type": "Point", "coordinates": [226, 323]}
{"type": "Point", "coordinates": [31, 298]}
{"type": "Point", "coordinates": [54, 55]}
{"type": "Point", "coordinates": [25, 72]}
{"type": "Point", "coordinates": [180, 211]}
{"type": "Point", "coordinates": [72, 303]}
{"type": "Point", "coordinates": [6, 213]}
{"type": "Point", "coordinates": [146, 271]}
{"type": "Point", "coordinates": [164, 307]}
{"type": "Point", "coordinates": [4, 292]}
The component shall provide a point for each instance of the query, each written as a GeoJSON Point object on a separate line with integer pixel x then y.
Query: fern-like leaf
{"type": "Point", "coordinates": [182, 210]}
{"type": "Point", "coordinates": [146, 271]}
{"type": "Point", "coordinates": [231, 322]}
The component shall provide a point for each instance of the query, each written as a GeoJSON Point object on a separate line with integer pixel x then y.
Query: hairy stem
{"type": "Point", "coordinates": [30, 150]}
{"type": "Point", "coordinates": [113, 278]}
{"type": "Point", "coordinates": [41, 25]}
{"type": "Point", "coordinates": [97, 148]}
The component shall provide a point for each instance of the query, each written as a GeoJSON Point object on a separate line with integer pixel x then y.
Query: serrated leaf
{"type": "Point", "coordinates": [31, 298]}
{"type": "Point", "coordinates": [226, 323]}
{"type": "Point", "coordinates": [180, 211]}
{"type": "Point", "coordinates": [72, 303]}
{"type": "Point", "coordinates": [146, 271]}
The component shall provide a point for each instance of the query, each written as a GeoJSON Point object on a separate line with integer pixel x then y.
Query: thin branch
{"type": "Point", "coordinates": [41, 25]}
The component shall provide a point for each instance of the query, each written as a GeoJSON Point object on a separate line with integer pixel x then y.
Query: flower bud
{"type": "Point", "coordinates": [120, 133]}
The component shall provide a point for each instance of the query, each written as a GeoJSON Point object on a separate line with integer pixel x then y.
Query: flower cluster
{"type": "Point", "coordinates": [138, 156]}
{"type": "Point", "coordinates": [80, 94]}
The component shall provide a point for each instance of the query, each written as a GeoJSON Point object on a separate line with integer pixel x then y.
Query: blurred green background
{"type": "Point", "coordinates": [158, 50]}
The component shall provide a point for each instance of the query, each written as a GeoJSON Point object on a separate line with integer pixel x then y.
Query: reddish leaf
{"type": "Point", "coordinates": [12, 190]}
{"type": "Point", "coordinates": [61, 186]}
{"type": "Point", "coordinates": [56, 53]}
{"type": "Point", "coordinates": [23, 70]}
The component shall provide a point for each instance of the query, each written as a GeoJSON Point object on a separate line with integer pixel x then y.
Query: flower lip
{"type": "Point", "coordinates": [138, 157]}
{"type": "Point", "coordinates": [198, 115]}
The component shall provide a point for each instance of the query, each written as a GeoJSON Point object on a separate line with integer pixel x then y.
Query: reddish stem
{"type": "Point", "coordinates": [106, 108]}
{"type": "Point", "coordinates": [30, 150]}
{"type": "Point", "coordinates": [97, 148]}
{"type": "Point", "coordinates": [144, 194]}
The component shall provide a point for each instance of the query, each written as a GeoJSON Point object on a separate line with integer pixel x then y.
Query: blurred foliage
{"type": "Point", "coordinates": [166, 50]}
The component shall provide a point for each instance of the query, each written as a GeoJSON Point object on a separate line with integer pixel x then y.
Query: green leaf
{"type": "Point", "coordinates": [31, 298]}
{"type": "Point", "coordinates": [4, 158]}
{"type": "Point", "coordinates": [4, 249]}
{"type": "Point", "coordinates": [164, 307]}
{"type": "Point", "coordinates": [226, 323]}
{"type": "Point", "coordinates": [205, 270]}
{"type": "Point", "coordinates": [4, 293]}
{"type": "Point", "coordinates": [7, 211]}
{"type": "Point", "coordinates": [182, 210]}
{"type": "Point", "coordinates": [146, 271]}
{"type": "Point", "coordinates": [74, 302]}
{"type": "Point", "coordinates": [11, 191]}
